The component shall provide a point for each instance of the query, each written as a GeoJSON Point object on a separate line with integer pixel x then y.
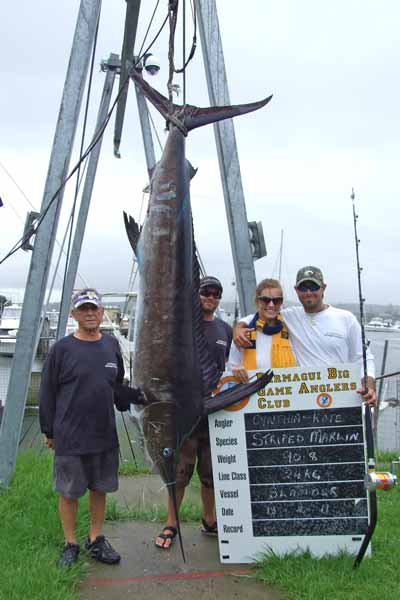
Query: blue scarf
{"type": "Point", "coordinates": [259, 325]}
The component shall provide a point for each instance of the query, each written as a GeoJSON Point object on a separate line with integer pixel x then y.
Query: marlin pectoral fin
{"type": "Point", "coordinates": [132, 231]}
{"type": "Point", "coordinates": [236, 393]}
{"type": "Point", "coordinates": [193, 116]}
{"type": "Point", "coordinates": [192, 170]}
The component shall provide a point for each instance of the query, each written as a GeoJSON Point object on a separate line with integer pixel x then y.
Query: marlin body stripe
{"type": "Point", "coordinates": [171, 362]}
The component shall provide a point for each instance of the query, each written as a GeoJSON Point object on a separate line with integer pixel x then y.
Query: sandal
{"type": "Point", "coordinates": [167, 536]}
{"type": "Point", "coordinates": [207, 529]}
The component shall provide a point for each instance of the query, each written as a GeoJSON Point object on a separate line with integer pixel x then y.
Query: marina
{"type": "Point", "coordinates": [389, 419]}
{"type": "Point", "coordinates": [293, 459]}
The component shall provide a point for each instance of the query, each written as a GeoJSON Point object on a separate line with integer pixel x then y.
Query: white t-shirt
{"type": "Point", "coordinates": [330, 336]}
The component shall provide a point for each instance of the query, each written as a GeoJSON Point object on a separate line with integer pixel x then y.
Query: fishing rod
{"type": "Point", "coordinates": [367, 414]}
{"type": "Point", "coordinates": [387, 375]}
{"type": "Point", "coordinates": [373, 480]}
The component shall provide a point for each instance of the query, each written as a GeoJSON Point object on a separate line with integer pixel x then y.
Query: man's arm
{"type": "Point", "coordinates": [229, 333]}
{"type": "Point", "coordinates": [47, 398]}
{"type": "Point", "coordinates": [240, 333]}
{"type": "Point", "coordinates": [367, 390]}
{"type": "Point", "coordinates": [124, 395]}
{"type": "Point", "coordinates": [235, 360]}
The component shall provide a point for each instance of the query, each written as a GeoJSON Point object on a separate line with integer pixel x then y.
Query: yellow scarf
{"type": "Point", "coordinates": [281, 351]}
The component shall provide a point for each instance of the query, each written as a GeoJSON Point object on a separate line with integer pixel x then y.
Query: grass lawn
{"type": "Point", "coordinates": [378, 577]}
{"type": "Point", "coordinates": [31, 540]}
{"type": "Point", "coordinates": [31, 536]}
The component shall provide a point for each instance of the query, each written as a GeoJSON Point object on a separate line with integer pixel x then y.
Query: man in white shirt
{"type": "Point", "coordinates": [320, 333]}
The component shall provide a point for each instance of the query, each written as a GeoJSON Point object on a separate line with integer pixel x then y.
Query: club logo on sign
{"type": "Point", "coordinates": [324, 400]}
{"type": "Point", "coordinates": [224, 384]}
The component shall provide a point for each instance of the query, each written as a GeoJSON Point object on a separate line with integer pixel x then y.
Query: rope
{"type": "Point", "coordinates": [184, 51]}
{"type": "Point", "coordinates": [17, 186]}
{"type": "Point", "coordinates": [194, 43]}
{"type": "Point", "coordinates": [172, 18]}
{"type": "Point", "coordinates": [148, 28]}
{"type": "Point", "coordinates": [155, 131]}
{"type": "Point", "coordinates": [96, 138]}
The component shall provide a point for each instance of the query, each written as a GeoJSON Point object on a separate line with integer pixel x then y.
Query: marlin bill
{"type": "Point", "coordinates": [171, 362]}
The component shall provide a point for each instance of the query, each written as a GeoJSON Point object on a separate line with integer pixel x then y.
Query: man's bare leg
{"type": "Point", "coordinates": [208, 499]}
{"type": "Point", "coordinates": [97, 507]}
{"type": "Point", "coordinates": [171, 518]}
{"type": "Point", "coordinates": [67, 509]}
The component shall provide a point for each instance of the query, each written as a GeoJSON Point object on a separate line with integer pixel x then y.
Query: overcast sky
{"type": "Point", "coordinates": [333, 124]}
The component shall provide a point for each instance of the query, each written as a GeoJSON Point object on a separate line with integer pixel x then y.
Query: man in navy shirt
{"type": "Point", "coordinates": [197, 447]}
{"type": "Point", "coordinates": [77, 417]}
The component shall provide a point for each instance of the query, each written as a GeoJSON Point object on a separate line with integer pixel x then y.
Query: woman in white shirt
{"type": "Point", "coordinates": [269, 335]}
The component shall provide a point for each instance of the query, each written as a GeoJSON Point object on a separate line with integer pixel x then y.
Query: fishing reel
{"type": "Point", "coordinates": [380, 480]}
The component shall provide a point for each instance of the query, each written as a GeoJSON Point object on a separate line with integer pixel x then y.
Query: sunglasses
{"type": "Point", "coordinates": [308, 286]}
{"type": "Point", "coordinates": [206, 293]}
{"type": "Point", "coordinates": [266, 300]}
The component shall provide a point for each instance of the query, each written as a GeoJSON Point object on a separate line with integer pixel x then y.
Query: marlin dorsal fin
{"type": "Point", "coordinates": [132, 231]}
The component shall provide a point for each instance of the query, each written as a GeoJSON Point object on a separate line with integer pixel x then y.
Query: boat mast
{"type": "Point", "coordinates": [280, 257]}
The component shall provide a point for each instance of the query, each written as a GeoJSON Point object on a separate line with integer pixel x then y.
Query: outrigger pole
{"type": "Point", "coordinates": [373, 505]}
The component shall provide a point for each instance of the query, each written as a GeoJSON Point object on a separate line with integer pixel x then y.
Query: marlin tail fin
{"type": "Point", "coordinates": [190, 116]}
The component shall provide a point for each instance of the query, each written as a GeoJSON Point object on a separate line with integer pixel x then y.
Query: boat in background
{"type": "Point", "coordinates": [9, 324]}
{"type": "Point", "coordinates": [381, 324]}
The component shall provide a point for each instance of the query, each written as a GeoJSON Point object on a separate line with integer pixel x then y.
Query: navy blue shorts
{"type": "Point", "coordinates": [73, 475]}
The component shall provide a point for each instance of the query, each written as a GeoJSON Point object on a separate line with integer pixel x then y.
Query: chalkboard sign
{"type": "Point", "coordinates": [289, 466]}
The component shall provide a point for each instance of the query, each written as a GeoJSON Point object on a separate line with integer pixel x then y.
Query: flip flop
{"type": "Point", "coordinates": [210, 530]}
{"type": "Point", "coordinates": [167, 536]}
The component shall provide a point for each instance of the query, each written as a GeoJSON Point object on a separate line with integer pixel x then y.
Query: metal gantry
{"type": "Point", "coordinates": [43, 247]}
{"type": "Point", "coordinates": [110, 67]}
{"type": "Point", "coordinates": [228, 157]}
{"type": "Point", "coordinates": [58, 167]}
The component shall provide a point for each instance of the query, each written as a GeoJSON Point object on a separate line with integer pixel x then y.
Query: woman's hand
{"type": "Point", "coordinates": [241, 373]}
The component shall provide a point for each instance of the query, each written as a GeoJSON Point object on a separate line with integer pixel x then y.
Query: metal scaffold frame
{"type": "Point", "coordinates": [82, 46]}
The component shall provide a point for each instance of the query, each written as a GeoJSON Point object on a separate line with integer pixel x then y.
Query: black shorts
{"type": "Point", "coordinates": [73, 475]}
{"type": "Point", "coordinates": [195, 448]}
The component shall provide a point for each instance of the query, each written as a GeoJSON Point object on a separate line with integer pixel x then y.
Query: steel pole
{"type": "Point", "coordinates": [146, 130]}
{"type": "Point", "coordinates": [110, 67]}
{"type": "Point", "coordinates": [228, 158]}
{"type": "Point", "coordinates": [82, 45]}
{"type": "Point", "coordinates": [131, 21]}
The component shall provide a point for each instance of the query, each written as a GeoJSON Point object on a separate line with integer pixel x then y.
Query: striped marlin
{"type": "Point", "coordinates": [171, 362]}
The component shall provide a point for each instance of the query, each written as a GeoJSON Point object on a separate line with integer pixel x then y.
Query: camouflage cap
{"type": "Point", "coordinates": [310, 274]}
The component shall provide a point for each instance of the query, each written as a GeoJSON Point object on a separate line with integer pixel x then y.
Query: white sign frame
{"type": "Point", "coordinates": [290, 390]}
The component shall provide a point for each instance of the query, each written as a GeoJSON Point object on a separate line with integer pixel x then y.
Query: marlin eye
{"type": "Point", "coordinates": [167, 452]}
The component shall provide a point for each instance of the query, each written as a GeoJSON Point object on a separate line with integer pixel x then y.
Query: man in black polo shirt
{"type": "Point", "coordinates": [77, 417]}
{"type": "Point", "coordinates": [197, 446]}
